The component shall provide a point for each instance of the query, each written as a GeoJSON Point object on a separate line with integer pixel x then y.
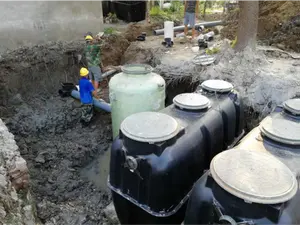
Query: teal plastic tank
{"type": "Point", "coordinates": [135, 89]}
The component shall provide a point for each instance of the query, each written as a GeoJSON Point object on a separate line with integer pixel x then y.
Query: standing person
{"type": "Point", "coordinates": [190, 13]}
{"type": "Point", "coordinates": [87, 91]}
{"type": "Point", "coordinates": [92, 54]}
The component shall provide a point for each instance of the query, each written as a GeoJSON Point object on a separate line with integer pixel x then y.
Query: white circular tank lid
{"type": "Point", "coordinates": [136, 69]}
{"type": "Point", "coordinates": [217, 85]}
{"type": "Point", "coordinates": [150, 127]}
{"type": "Point", "coordinates": [282, 129]}
{"type": "Point", "coordinates": [254, 176]}
{"type": "Point", "coordinates": [292, 105]}
{"type": "Point", "coordinates": [191, 101]}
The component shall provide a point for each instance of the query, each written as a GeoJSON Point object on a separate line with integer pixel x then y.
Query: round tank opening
{"type": "Point", "coordinates": [137, 69]}
{"type": "Point", "coordinates": [191, 101]}
{"type": "Point", "coordinates": [219, 86]}
{"type": "Point", "coordinates": [292, 106]}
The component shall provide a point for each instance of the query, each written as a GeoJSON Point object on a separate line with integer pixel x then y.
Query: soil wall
{"type": "Point", "coordinates": [278, 24]}
{"type": "Point", "coordinates": [40, 21]}
{"type": "Point", "coordinates": [16, 204]}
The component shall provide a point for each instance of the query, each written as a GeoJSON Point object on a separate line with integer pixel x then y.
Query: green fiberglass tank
{"type": "Point", "coordinates": [135, 89]}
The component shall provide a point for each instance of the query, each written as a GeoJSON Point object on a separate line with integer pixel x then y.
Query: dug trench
{"type": "Point", "coordinates": [68, 163]}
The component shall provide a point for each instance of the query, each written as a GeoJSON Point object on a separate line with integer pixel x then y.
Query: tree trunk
{"type": "Point", "coordinates": [204, 9]}
{"type": "Point", "coordinates": [147, 11]}
{"type": "Point", "coordinates": [248, 21]}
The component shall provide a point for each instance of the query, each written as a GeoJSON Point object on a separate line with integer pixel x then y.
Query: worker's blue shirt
{"type": "Point", "coordinates": [86, 88]}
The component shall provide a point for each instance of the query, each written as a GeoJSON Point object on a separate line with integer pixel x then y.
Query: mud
{"type": "Point", "coordinates": [61, 155]}
{"type": "Point", "coordinates": [56, 149]}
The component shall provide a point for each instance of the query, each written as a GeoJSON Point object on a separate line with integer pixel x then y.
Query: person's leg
{"type": "Point", "coordinates": [94, 70]}
{"type": "Point", "coordinates": [87, 114]}
{"type": "Point", "coordinates": [186, 23]}
{"type": "Point", "coordinates": [91, 77]}
{"type": "Point", "coordinates": [192, 24]}
{"type": "Point", "coordinates": [97, 76]}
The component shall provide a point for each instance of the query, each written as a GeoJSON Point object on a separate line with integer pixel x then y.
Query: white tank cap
{"type": "Point", "coordinates": [193, 101]}
{"type": "Point", "coordinates": [137, 69]}
{"type": "Point", "coordinates": [217, 86]}
{"type": "Point", "coordinates": [254, 176]}
{"type": "Point", "coordinates": [292, 105]}
{"type": "Point", "coordinates": [150, 127]}
{"type": "Point", "coordinates": [281, 128]}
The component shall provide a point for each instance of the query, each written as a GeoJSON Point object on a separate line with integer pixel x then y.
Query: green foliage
{"type": "Point", "coordinates": [177, 6]}
{"type": "Point", "coordinates": [212, 51]}
{"type": "Point", "coordinates": [112, 17]}
{"type": "Point", "coordinates": [210, 6]}
{"type": "Point", "coordinates": [174, 13]}
{"type": "Point", "coordinates": [233, 43]}
{"type": "Point", "coordinates": [109, 30]}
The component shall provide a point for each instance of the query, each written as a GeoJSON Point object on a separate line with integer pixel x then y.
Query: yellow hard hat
{"type": "Point", "coordinates": [83, 72]}
{"type": "Point", "coordinates": [88, 37]}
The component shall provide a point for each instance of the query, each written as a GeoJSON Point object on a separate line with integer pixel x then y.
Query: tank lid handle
{"type": "Point", "coordinates": [137, 69]}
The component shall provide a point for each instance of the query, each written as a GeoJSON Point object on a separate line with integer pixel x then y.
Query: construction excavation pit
{"type": "Point", "coordinates": [55, 171]}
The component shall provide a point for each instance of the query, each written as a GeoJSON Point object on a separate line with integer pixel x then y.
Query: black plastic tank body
{"type": "Point", "coordinates": [165, 171]}
{"type": "Point", "coordinates": [223, 97]}
{"type": "Point", "coordinates": [209, 203]}
{"type": "Point", "coordinates": [279, 135]}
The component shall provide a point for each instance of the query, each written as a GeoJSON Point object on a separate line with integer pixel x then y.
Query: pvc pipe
{"type": "Point", "coordinates": [209, 36]}
{"type": "Point", "coordinates": [108, 73]}
{"type": "Point", "coordinates": [169, 30]}
{"type": "Point", "coordinates": [98, 104]}
{"type": "Point", "coordinates": [181, 28]}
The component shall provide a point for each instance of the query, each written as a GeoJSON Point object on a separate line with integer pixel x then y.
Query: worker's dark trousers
{"type": "Point", "coordinates": [87, 113]}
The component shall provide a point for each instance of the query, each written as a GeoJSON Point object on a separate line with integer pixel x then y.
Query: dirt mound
{"type": "Point", "coordinates": [276, 23]}
{"type": "Point", "coordinates": [273, 13]}
{"type": "Point", "coordinates": [230, 25]}
{"type": "Point", "coordinates": [114, 48]}
{"type": "Point", "coordinates": [135, 29]}
{"type": "Point", "coordinates": [137, 52]}
{"type": "Point", "coordinates": [287, 37]}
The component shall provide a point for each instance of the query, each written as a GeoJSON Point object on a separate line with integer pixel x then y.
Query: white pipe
{"type": "Point", "coordinates": [98, 104]}
{"type": "Point", "coordinates": [181, 28]}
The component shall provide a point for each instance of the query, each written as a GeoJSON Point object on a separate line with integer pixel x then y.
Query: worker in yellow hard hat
{"type": "Point", "coordinates": [87, 91]}
{"type": "Point", "coordinates": [92, 54]}
{"type": "Point", "coordinates": [89, 38]}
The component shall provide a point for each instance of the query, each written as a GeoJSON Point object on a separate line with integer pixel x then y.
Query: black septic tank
{"type": "Point", "coordinates": [243, 187]}
{"type": "Point", "coordinates": [158, 156]}
{"type": "Point", "coordinates": [278, 135]}
{"type": "Point", "coordinates": [232, 114]}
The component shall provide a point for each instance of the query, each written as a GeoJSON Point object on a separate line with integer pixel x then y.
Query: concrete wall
{"type": "Point", "coordinates": [40, 21]}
